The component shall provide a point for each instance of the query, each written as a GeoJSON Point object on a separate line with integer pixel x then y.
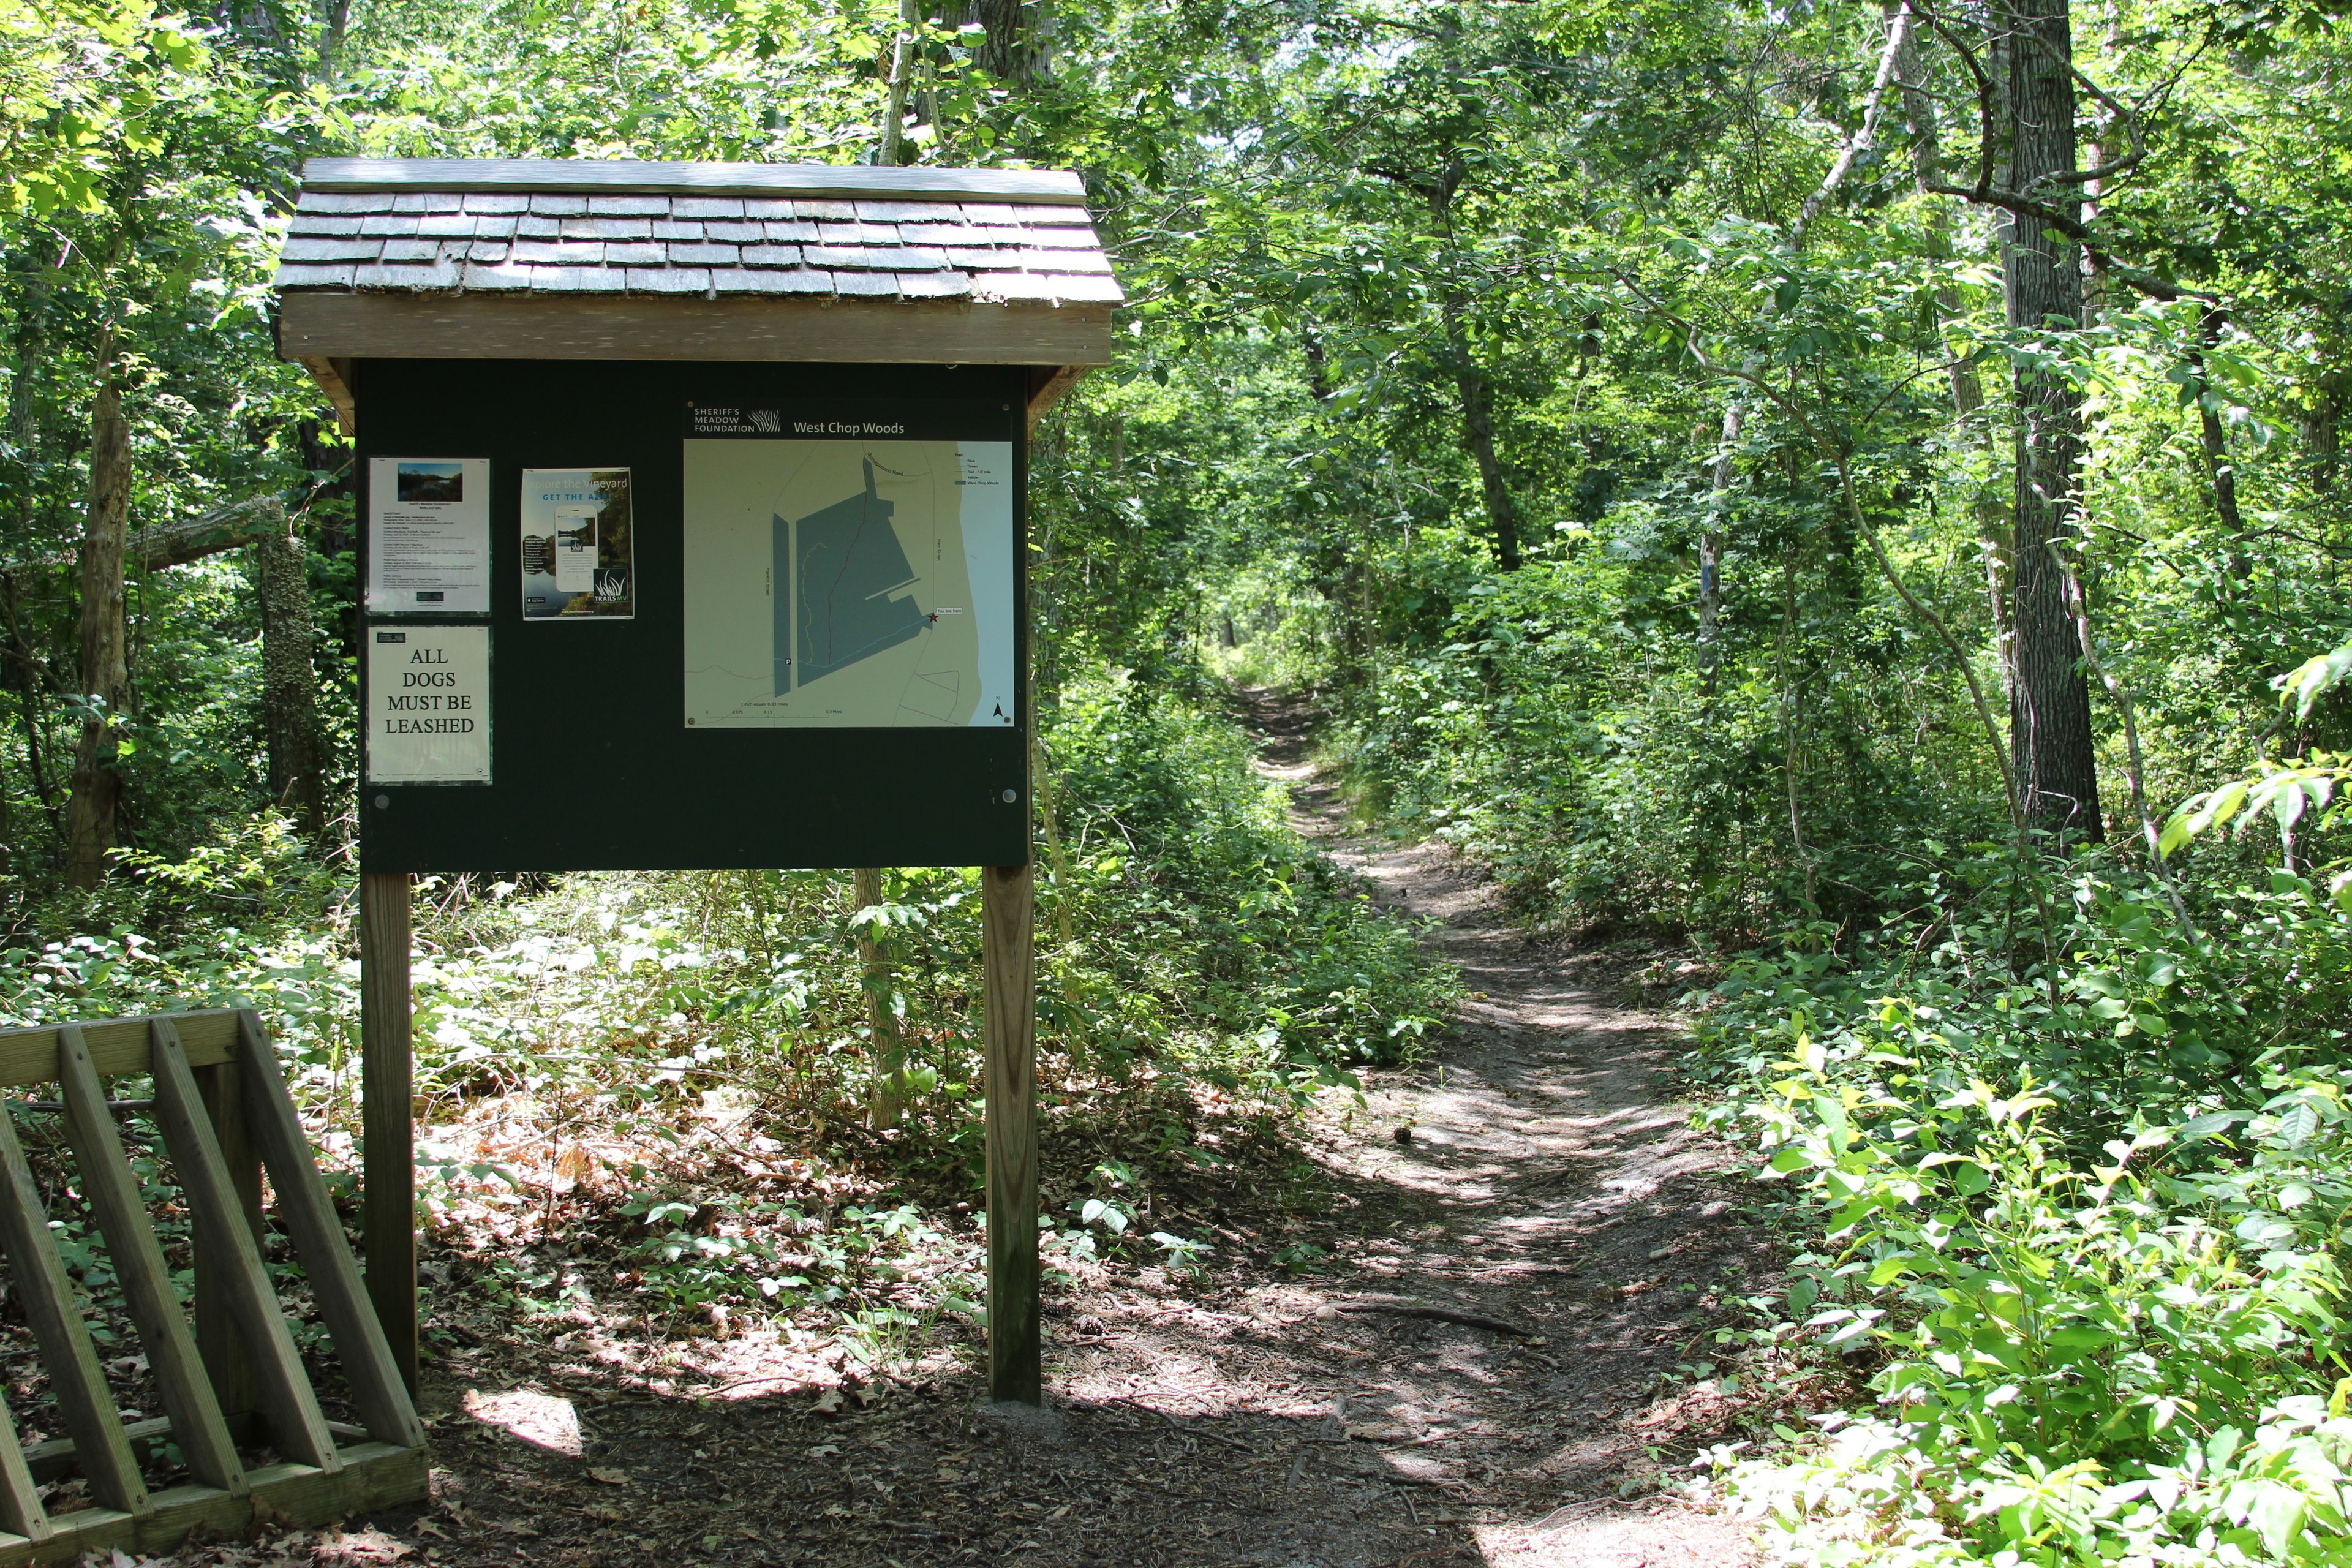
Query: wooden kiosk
{"type": "Point", "coordinates": [692, 514]}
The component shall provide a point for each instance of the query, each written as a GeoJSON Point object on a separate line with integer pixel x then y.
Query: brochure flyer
{"type": "Point", "coordinates": [576, 545]}
{"type": "Point", "coordinates": [428, 536]}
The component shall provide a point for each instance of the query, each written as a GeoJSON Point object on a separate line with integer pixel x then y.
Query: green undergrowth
{"type": "Point", "coordinates": [2080, 1195]}
{"type": "Point", "coordinates": [648, 1094]}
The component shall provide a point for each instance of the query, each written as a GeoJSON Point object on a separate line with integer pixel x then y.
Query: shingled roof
{"type": "Point", "coordinates": [559, 258]}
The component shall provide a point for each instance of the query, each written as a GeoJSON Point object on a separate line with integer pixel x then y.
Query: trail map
{"type": "Point", "coordinates": [852, 583]}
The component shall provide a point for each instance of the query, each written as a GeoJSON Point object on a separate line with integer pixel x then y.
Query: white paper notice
{"type": "Point", "coordinates": [428, 705]}
{"type": "Point", "coordinates": [429, 536]}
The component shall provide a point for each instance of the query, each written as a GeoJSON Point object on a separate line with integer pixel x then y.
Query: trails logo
{"type": "Point", "coordinates": [611, 586]}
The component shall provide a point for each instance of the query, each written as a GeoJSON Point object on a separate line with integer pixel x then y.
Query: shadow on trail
{"type": "Point", "coordinates": [1531, 1173]}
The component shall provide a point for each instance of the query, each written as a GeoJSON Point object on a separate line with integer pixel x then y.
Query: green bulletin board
{"type": "Point", "coordinates": [737, 616]}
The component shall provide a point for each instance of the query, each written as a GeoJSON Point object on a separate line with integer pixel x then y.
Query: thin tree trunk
{"type": "Point", "coordinates": [2049, 705]}
{"type": "Point", "coordinates": [32, 677]}
{"type": "Point", "coordinates": [1479, 431]}
{"type": "Point", "coordinates": [2322, 431]}
{"type": "Point", "coordinates": [2220, 473]}
{"type": "Point", "coordinates": [330, 38]}
{"type": "Point", "coordinates": [1791, 719]}
{"type": "Point", "coordinates": [1711, 537]}
{"type": "Point", "coordinates": [92, 809]}
{"type": "Point", "coordinates": [1470, 380]}
{"type": "Point", "coordinates": [1967, 388]}
{"type": "Point", "coordinates": [902, 71]}
{"type": "Point", "coordinates": [288, 685]}
{"type": "Point", "coordinates": [2135, 769]}
{"type": "Point", "coordinates": [886, 1100]}
{"type": "Point", "coordinates": [1710, 553]}
{"type": "Point", "coordinates": [1890, 56]}
{"type": "Point", "coordinates": [24, 405]}
{"type": "Point", "coordinates": [1927, 171]}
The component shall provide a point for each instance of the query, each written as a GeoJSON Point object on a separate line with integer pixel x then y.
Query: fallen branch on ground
{"type": "Point", "coordinates": [1398, 1309]}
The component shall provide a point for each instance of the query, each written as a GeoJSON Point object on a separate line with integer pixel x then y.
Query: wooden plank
{"type": "Point", "coordinates": [755, 328]}
{"type": "Point", "coordinates": [378, 1387]}
{"type": "Point", "coordinates": [370, 1476]}
{"type": "Point", "coordinates": [119, 1045]}
{"type": "Point", "coordinates": [1010, 1030]}
{"type": "Point", "coordinates": [388, 1157]}
{"type": "Point", "coordinates": [53, 1459]}
{"type": "Point", "coordinates": [1051, 391]}
{"type": "Point", "coordinates": [66, 1354]}
{"type": "Point", "coordinates": [295, 1421]}
{"type": "Point", "coordinates": [621, 176]}
{"type": "Point", "coordinates": [331, 378]}
{"type": "Point", "coordinates": [217, 1337]}
{"type": "Point", "coordinates": [20, 1505]}
{"type": "Point", "coordinates": [104, 1171]}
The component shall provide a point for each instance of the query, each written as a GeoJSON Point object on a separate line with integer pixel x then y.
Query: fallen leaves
{"type": "Point", "coordinates": [337, 1548]}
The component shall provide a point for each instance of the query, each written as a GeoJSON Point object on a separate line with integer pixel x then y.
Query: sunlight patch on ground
{"type": "Point", "coordinates": [1586, 1536]}
{"type": "Point", "coordinates": [542, 1420]}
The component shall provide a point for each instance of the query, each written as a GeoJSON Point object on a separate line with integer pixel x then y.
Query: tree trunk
{"type": "Point", "coordinates": [902, 70]}
{"type": "Point", "coordinates": [1478, 430]}
{"type": "Point", "coordinates": [1710, 540]}
{"type": "Point", "coordinates": [96, 794]}
{"type": "Point", "coordinates": [289, 685]}
{"type": "Point", "coordinates": [1470, 380]}
{"type": "Point", "coordinates": [2049, 701]}
{"type": "Point", "coordinates": [30, 679]}
{"type": "Point", "coordinates": [1012, 48]}
{"type": "Point", "coordinates": [1897, 48]}
{"type": "Point", "coordinates": [2322, 431]}
{"type": "Point", "coordinates": [24, 408]}
{"type": "Point", "coordinates": [330, 38]}
{"type": "Point", "coordinates": [886, 1100]}
{"type": "Point", "coordinates": [2220, 473]}
{"type": "Point", "coordinates": [1992, 517]}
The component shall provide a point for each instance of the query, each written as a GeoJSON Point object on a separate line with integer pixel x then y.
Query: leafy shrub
{"type": "Point", "coordinates": [2103, 1303]}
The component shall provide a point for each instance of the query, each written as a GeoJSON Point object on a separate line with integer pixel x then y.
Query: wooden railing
{"type": "Point", "coordinates": [237, 1383]}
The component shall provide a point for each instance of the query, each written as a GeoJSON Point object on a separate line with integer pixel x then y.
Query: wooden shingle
{"type": "Point", "coordinates": [454, 258]}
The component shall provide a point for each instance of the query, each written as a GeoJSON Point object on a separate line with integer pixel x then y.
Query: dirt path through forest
{"type": "Point", "coordinates": [1531, 1173]}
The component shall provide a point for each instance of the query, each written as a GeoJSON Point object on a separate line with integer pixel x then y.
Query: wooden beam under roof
{"type": "Point", "coordinates": [318, 324]}
{"type": "Point", "coordinates": [1051, 187]}
{"type": "Point", "coordinates": [1048, 383]}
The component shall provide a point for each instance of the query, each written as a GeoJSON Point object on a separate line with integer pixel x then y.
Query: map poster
{"type": "Point", "coordinates": [839, 573]}
{"type": "Point", "coordinates": [576, 545]}
{"type": "Point", "coordinates": [429, 706]}
{"type": "Point", "coordinates": [428, 536]}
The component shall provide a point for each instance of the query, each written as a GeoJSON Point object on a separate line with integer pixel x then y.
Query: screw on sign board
{"type": "Point", "coordinates": [692, 506]}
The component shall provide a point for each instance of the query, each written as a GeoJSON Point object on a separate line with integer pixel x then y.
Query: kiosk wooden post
{"type": "Point", "coordinates": [707, 687]}
{"type": "Point", "coordinates": [1015, 1349]}
{"type": "Point", "coordinates": [388, 1160]}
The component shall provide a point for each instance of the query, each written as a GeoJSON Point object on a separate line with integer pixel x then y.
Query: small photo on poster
{"type": "Point", "coordinates": [436, 484]}
{"type": "Point", "coordinates": [577, 547]}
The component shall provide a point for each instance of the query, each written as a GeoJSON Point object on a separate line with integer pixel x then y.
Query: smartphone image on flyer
{"type": "Point", "coordinates": [576, 545]}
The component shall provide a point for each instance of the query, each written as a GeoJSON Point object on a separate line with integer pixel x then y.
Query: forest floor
{"type": "Point", "coordinates": [1532, 1172]}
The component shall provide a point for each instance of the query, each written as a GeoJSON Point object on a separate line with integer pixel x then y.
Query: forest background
{"type": "Point", "coordinates": [1846, 496]}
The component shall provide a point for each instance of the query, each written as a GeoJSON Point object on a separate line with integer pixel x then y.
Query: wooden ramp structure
{"type": "Point", "coordinates": [236, 1384]}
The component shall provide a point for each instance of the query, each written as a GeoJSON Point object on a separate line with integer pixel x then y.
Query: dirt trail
{"type": "Point", "coordinates": [1531, 1171]}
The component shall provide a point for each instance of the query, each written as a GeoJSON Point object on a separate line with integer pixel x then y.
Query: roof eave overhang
{"type": "Point", "coordinates": [325, 331]}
